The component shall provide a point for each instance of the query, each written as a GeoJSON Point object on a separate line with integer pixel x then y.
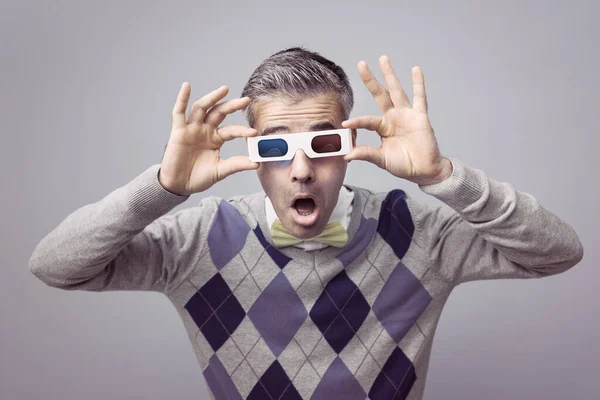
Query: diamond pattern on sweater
{"type": "Point", "coordinates": [308, 336]}
{"type": "Point", "coordinates": [310, 290]}
{"type": "Point", "coordinates": [278, 313]}
{"type": "Point", "coordinates": [395, 222]}
{"type": "Point", "coordinates": [274, 384]}
{"type": "Point", "coordinates": [247, 292]}
{"type": "Point", "coordinates": [395, 379]}
{"type": "Point", "coordinates": [297, 273]}
{"type": "Point", "coordinates": [264, 271]}
{"type": "Point", "coordinates": [340, 311]}
{"type": "Point", "coordinates": [234, 272]}
{"type": "Point", "coordinates": [230, 356]}
{"type": "Point", "coordinates": [382, 348]}
{"type": "Point", "coordinates": [371, 284]}
{"type": "Point", "coordinates": [227, 234]}
{"type": "Point", "coordinates": [401, 302]}
{"type": "Point", "coordinates": [338, 383]}
{"type": "Point", "coordinates": [367, 372]}
{"type": "Point", "coordinates": [244, 378]}
{"type": "Point", "coordinates": [370, 330]}
{"type": "Point", "coordinates": [306, 380]}
{"type": "Point", "coordinates": [292, 359]}
{"type": "Point", "coordinates": [254, 312]}
{"type": "Point", "coordinates": [219, 381]}
{"type": "Point", "coordinates": [260, 357]}
{"type": "Point", "coordinates": [245, 336]}
{"type": "Point", "coordinates": [354, 354]}
{"type": "Point", "coordinates": [321, 356]}
{"type": "Point", "coordinates": [216, 311]}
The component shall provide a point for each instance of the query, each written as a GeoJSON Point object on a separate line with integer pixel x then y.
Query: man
{"type": "Point", "coordinates": [312, 288]}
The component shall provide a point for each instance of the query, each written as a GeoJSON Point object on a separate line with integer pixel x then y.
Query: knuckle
{"type": "Point", "coordinates": [200, 104]}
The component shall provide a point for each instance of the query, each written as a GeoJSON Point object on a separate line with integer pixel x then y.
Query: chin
{"type": "Point", "coordinates": [304, 231]}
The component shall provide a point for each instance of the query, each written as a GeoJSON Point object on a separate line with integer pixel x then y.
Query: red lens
{"type": "Point", "coordinates": [327, 143]}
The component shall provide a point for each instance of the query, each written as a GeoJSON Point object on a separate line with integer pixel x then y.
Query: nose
{"type": "Point", "coordinates": [302, 169]}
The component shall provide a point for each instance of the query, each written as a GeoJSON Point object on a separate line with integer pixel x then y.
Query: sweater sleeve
{"type": "Point", "coordinates": [124, 241]}
{"type": "Point", "coordinates": [494, 231]}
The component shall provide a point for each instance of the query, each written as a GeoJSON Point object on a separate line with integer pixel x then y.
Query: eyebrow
{"type": "Point", "coordinates": [321, 126]}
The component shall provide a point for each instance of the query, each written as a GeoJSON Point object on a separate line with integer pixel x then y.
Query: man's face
{"type": "Point", "coordinates": [319, 178]}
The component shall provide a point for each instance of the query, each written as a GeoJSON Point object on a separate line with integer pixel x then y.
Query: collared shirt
{"type": "Point", "coordinates": [341, 212]}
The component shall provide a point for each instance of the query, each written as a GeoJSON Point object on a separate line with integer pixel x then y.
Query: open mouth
{"type": "Point", "coordinates": [306, 210]}
{"type": "Point", "coordinates": [305, 206]}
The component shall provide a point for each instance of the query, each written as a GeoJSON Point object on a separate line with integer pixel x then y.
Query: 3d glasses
{"type": "Point", "coordinates": [335, 142]}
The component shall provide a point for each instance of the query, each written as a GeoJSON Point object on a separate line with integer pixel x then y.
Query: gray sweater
{"type": "Point", "coordinates": [337, 323]}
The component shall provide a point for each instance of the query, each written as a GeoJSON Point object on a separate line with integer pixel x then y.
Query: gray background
{"type": "Point", "coordinates": [86, 93]}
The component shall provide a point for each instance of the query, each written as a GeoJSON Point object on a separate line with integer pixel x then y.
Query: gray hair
{"type": "Point", "coordinates": [295, 74]}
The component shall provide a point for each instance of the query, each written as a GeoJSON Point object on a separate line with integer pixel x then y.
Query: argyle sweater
{"type": "Point", "coordinates": [338, 323]}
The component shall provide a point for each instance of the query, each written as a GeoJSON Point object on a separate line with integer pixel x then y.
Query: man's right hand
{"type": "Point", "coordinates": [191, 162]}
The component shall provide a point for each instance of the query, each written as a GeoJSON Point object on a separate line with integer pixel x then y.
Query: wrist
{"type": "Point", "coordinates": [445, 173]}
{"type": "Point", "coordinates": [166, 186]}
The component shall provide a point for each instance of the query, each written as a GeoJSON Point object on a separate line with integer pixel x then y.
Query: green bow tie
{"type": "Point", "coordinates": [334, 234]}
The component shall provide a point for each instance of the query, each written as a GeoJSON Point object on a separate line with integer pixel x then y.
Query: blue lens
{"type": "Point", "coordinates": [272, 148]}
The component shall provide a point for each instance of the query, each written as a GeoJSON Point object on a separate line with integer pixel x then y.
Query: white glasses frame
{"type": "Point", "coordinates": [301, 141]}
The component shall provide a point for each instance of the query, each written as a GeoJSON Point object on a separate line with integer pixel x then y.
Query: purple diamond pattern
{"type": "Point", "coordinates": [278, 313]}
{"type": "Point", "coordinates": [339, 311]}
{"type": "Point", "coordinates": [338, 383]}
{"type": "Point", "coordinates": [219, 381]}
{"type": "Point", "coordinates": [274, 384]}
{"type": "Point", "coordinates": [231, 314]}
{"type": "Point", "coordinates": [227, 234]}
{"type": "Point", "coordinates": [395, 222]}
{"type": "Point", "coordinates": [401, 301]}
{"type": "Point", "coordinates": [395, 379]}
{"type": "Point", "coordinates": [216, 311]}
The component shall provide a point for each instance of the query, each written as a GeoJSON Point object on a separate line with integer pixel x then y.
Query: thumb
{"type": "Point", "coordinates": [234, 164]}
{"type": "Point", "coordinates": [366, 153]}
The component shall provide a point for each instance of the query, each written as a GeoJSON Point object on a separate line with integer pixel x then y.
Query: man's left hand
{"type": "Point", "coordinates": [408, 148]}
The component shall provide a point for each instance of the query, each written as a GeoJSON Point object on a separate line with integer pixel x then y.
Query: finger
{"type": "Point", "coordinates": [366, 153]}
{"type": "Point", "coordinates": [231, 132]}
{"type": "Point", "coordinates": [178, 115]}
{"type": "Point", "coordinates": [217, 114]}
{"type": "Point", "coordinates": [370, 122]}
{"type": "Point", "coordinates": [420, 97]}
{"type": "Point", "coordinates": [234, 164]}
{"type": "Point", "coordinates": [381, 95]}
{"type": "Point", "coordinates": [397, 94]}
{"type": "Point", "coordinates": [200, 106]}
